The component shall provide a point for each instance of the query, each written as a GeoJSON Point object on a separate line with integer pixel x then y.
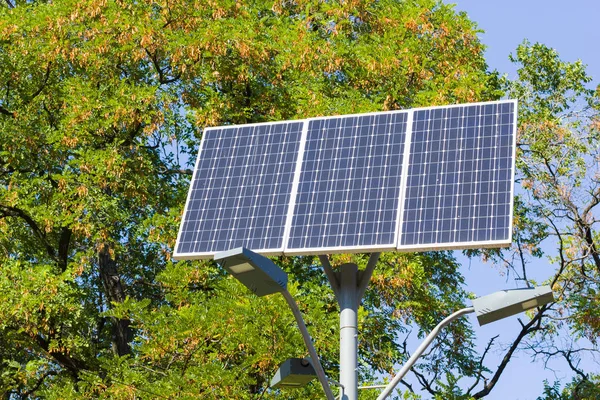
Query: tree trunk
{"type": "Point", "coordinates": [113, 289]}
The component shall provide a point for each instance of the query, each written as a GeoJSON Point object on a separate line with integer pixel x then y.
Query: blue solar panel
{"type": "Point", "coordinates": [241, 189]}
{"type": "Point", "coordinates": [422, 179]}
{"type": "Point", "coordinates": [349, 187]}
{"type": "Point", "coordinates": [460, 177]}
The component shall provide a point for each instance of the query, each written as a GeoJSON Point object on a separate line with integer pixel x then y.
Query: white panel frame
{"type": "Point", "coordinates": [403, 184]}
{"type": "Point", "coordinates": [190, 256]}
{"type": "Point", "coordinates": [295, 184]}
{"type": "Point", "coordinates": [514, 171]}
{"type": "Point", "coordinates": [488, 244]}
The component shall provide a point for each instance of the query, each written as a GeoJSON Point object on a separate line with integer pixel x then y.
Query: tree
{"type": "Point", "coordinates": [556, 213]}
{"type": "Point", "coordinates": [102, 104]}
{"type": "Point", "coordinates": [578, 389]}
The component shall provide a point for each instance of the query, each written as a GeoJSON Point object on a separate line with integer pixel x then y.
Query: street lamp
{"type": "Point", "coordinates": [488, 308]}
{"type": "Point", "coordinates": [293, 373]}
{"type": "Point", "coordinates": [505, 303]}
{"type": "Point", "coordinates": [263, 277]}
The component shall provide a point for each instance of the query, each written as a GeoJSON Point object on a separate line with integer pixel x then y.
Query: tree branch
{"type": "Point", "coordinates": [6, 112]}
{"type": "Point", "coordinates": [39, 233]}
{"type": "Point", "coordinates": [589, 239]}
{"type": "Point", "coordinates": [532, 326]}
{"type": "Point", "coordinates": [63, 248]}
{"type": "Point", "coordinates": [43, 85]}
{"type": "Point", "coordinates": [177, 172]}
{"type": "Point", "coordinates": [424, 382]}
{"type": "Point", "coordinates": [73, 365]}
{"type": "Point", "coordinates": [161, 73]}
{"type": "Point", "coordinates": [479, 375]}
{"type": "Point", "coordinates": [38, 384]}
{"type": "Point", "coordinates": [407, 385]}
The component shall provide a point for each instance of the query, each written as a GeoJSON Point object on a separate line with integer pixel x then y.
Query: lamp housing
{"type": "Point", "coordinates": [293, 373]}
{"type": "Point", "coordinates": [256, 272]}
{"type": "Point", "coordinates": [509, 302]}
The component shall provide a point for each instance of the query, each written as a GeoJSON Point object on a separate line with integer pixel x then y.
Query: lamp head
{"type": "Point", "coordinates": [256, 272]}
{"type": "Point", "coordinates": [505, 303]}
{"type": "Point", "coordinates": [293, 373]}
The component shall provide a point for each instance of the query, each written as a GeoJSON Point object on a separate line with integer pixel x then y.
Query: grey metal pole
{"type": "Point", "coordinates": [411, 361]}
{"type": "Point", "coordinates": [349, 331]}
{"type": "Point", "coordinates": [309, 345]}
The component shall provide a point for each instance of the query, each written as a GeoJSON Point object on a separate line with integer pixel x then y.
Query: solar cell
{"type": "Point", "coordinates": [349, 187]}
{"type": "Point", "coordinates": [460, 177]}
{"type": "Point", "coordinates": [241, 189]}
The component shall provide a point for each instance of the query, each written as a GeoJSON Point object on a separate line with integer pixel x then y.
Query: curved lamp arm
{"type": "Point", "coordinates": [309, 345]}
{"type": "Point", "coordinates": [415, 356]}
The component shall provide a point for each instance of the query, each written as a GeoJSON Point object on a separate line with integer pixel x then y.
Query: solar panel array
{"type": "Point", "coordinates": [421, 179]}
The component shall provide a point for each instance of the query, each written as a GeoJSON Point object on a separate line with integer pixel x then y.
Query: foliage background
{"type": "Point", "coordinates": [102, 104]}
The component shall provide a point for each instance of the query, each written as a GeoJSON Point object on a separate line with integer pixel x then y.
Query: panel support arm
{"type": "Point", "coordinates": [333, 279]}
{"type": "Point", "coordinates": [365, 276]}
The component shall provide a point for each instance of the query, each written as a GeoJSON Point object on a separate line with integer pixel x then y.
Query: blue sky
{"type": "Point", "coordinates": [572, 29]}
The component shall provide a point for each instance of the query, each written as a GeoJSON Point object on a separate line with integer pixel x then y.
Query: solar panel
{"type": "Point", "coordinates": [241, 189]}
{"type": "Point", "coordinates": [349, 187]}
{"type": "Point", "coordinates": [422, 179]}
{"type": "Point", "coordinates": [460, 177]}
